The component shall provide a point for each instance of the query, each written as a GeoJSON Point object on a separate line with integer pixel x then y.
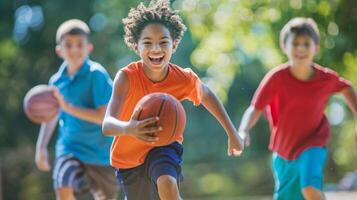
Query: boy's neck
{"type": "Point", "coordinates": [156, 76]}
{"type": "Point", "coordinates": [302, 72]}
{"type": "Point", "coordinates": [72, 69]}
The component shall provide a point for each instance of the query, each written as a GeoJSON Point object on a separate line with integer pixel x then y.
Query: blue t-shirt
{"type": "Point", "coordinates": [90, 87]}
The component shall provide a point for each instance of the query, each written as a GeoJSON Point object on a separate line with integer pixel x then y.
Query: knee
{"type": "Point", "coordinates": [311, 193]}
{"type": "Point", "coordinates": [167, 188]}
{"type": "Point", "coordinates": [65, 193]}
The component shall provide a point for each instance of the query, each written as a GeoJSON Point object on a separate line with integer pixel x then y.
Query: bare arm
{"type": "Point", "coordinates": [215, 107]}
{"type": "Point", "coordinates": [92, 115]}
{"type": "Point", "coordinates": [46, 132]}
{"type": "Point", "coordinates": [351, 99]}
{"type": "Point", "coordinates": [113, 126]}
{"type": "Point", "coordinates": [249, 119]}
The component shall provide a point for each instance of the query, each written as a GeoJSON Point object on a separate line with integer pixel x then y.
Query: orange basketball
{"type": "Point", "coordinates": [40, 105]}
{"type": "Point", "coordinates": [171, 113]}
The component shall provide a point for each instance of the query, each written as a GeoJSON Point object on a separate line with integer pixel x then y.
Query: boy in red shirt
{"type": "Point", "coordinates": [294, 96]}
{"type": "Point", "coordinates": [145, 172]}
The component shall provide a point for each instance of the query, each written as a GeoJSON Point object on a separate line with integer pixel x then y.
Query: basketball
{"type": "Point", "coordinates": [40, 105]}
{"type": "Point", "coordinates": [171, 113]}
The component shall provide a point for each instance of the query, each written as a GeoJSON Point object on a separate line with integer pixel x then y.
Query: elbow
{"type": "Point", "coordinates": [206, 92]}
{"type": "Point", "coordinates": [254, 110]}
{"type": "Point", "coordinates": [108, 128]}
{"type": "Point", "coordinates": [105, 128]}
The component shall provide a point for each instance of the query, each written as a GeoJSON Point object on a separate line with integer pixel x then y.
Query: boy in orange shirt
{"type": "Point", "coordinates": [146, 172]}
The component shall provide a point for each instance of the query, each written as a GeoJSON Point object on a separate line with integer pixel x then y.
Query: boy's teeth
{"type": "Point", "coordinates": [156, 59]}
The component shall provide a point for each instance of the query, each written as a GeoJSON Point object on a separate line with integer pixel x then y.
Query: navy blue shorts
{"type": "Point", "coordinates": [139, 183]}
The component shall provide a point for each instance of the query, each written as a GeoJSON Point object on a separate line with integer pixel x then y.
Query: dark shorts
{"type": "Point", "coordinates": [99, 180]}
{"type": "Point", "coordinates": [139, 183]}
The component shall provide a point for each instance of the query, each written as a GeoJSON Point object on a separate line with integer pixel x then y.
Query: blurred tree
{"type": "Point", "coordinates": [238, 41]}
{"type": "Point", "coordinates": [229, 43]}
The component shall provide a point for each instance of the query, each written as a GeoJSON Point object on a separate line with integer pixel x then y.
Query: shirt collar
{"type": "Point", "coordinates": [82, 70]}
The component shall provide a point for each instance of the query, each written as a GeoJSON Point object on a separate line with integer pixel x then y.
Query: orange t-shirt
{"type": "Point", "coordinates": [127, 151]}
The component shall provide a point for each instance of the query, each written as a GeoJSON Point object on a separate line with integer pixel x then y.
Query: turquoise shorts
{"type": "Point", "coordinates": [291, 176]}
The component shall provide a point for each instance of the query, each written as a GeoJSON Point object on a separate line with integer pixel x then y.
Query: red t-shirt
{"type": "Point", "coordinates": [295, 109]}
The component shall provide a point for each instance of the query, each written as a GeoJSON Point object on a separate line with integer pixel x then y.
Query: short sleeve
{"type": "Point", "coordinates": [194, 87]}
{"type": "Point", "coordinates": [102, 88]}
{"type": "Point", "coordinates": [266, 91]}
{"type": "Point", "coordinates": [51, 81]}
{"type": "Point", "coordinates": [337, 83]}
{"type": "Point", "coordinates": [56, 78]}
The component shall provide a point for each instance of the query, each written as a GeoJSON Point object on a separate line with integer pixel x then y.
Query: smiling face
{"type": "Point", "coordinates": [300, 49]}
{"type": "Point", "coordinates": [155, 47]}
{"type": "Point", "coordinates": [74, 49]}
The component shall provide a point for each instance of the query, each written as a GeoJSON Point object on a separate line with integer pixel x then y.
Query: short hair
{"type": "Point", "coordinates": [300, 26]}
{"type": "Point", "coordinates": [72, 27]}
{"type": "Point", "coordinates": [138, 18]}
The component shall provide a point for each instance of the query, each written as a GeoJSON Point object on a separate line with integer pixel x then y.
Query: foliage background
{"type": "Point", "coordinates": [231, 44]}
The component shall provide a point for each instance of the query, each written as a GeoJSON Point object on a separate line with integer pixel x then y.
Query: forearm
{"type": "Point", "coordinates": [249, 119]}
{"type": "Point", "coordinates": [351, 99]}
{"type": "Point", "coordinates": [113, 127]}
{"type": "Point", "coordinates": [92, 115]}
{"type": "Point", "coordinates": [46, 132]}
{"type": "Point", "coordinates": [215, 107]}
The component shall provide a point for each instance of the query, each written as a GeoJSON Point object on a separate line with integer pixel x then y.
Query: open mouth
{"type": "Point", "coordinates": [156, 60]}
{"type": "Point", "coordinates": [301, 57]}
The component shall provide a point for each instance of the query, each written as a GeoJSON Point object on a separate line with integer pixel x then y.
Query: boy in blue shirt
{"type": "Point", "coordinates": [82, 88]}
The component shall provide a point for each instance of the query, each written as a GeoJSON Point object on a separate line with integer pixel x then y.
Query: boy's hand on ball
{"type": "Point", "coordinates": [41, 159]}
{"type": "Point", "coordinates": [63, 104]}
{"type": "Point", "coordinates": [144, 129]}
{"type": "Point", "coordinates": [235, 145]}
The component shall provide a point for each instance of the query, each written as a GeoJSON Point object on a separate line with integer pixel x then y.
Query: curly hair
{"type": "Point", "coordinates": [159, 12]}
{"type": "Point", "coordinates": [300, 26]}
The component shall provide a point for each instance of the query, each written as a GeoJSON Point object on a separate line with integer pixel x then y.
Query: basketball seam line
{"type": "Point", "coordinates": [162, 105]}
{"type": "Point", "coordinates": [174, 132]}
